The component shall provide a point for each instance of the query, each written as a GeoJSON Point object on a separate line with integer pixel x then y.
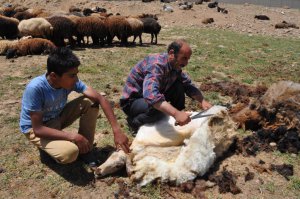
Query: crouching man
{"type": "Point", "coordinates": [157, 85]}
{"type": "Point", "coordinates": [45, 111]}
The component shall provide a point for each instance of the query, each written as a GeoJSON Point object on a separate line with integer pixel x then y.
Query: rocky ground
{"type": "Point", "coordinates": [239, 18]}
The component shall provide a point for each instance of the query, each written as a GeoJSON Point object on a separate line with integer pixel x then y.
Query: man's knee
{"type": "Point", "coordinates": [88, 106]}
{"type": "Point", "coordinates": [68, 155]}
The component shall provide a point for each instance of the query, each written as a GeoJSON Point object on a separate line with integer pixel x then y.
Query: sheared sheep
{"type": "Point", "coordinates": [63, 27]}
{"type": "Point", "coordinates": [35, 27]}
{"type": "Point", "coordinates": [8, 27]}
{"type": "Point", "coordinates": [35, 46]}
{"type": "Point", "coordinates": [137, 28]}
{"type": "Point", "coordinates": [175, 153]}
{"type": "Point", "coordinates": [91, 26]}
{"type": "Point", "coordinates": [151, 26]}
{"type": "Point", "coordinates": [118, 26]}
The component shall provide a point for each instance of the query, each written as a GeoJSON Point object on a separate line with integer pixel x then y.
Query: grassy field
{"type": "Point", "coordinates": [220, 55]}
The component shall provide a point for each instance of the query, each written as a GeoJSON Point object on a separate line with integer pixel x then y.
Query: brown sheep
{"type": "Point", "coordinates": [24, 15]}
{"type": "Point", "coordinates": [207, 20]}
{"type": "Point", "coordinates": [35, 46]}
{"type": "Point", "coordinates": [285, 24]}
{"type": "Point", "coordinates": [91, 26]}
{"type": "Point", "coordinates": [118, 26]}
{"type": "Point", "coordinates": [63, 27]}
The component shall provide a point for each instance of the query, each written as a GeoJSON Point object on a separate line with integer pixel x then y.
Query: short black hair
{"type": "Point", "coordinates": [61, 60]}
{"type": "Point", "coordinates": [176, 45]}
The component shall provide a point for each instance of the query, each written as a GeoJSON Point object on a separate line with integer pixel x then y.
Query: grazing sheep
{"type": "Point", "coordinates": [285, 24]}
{"type": "Point", "coordinates": [137, 28]}
{"type": "Point", "coordinates": [8, 27]}
{"type": "Point", "coordinates": [118, 26]}
{"type": "Point", "coordinates": [98, 9]}
{"type": "Point", "coordinates": [261, 17]}
{"type": "Point", "coordinates": [185, 5]}
{"type": "Point", "coordinates": [63, 27]}
{"type": "Point", "coordinates": [24, 15]}
{"type": "Point", "coordinates": [87, 11]}
{"type": "Point", "coordinates": [35, 46]}
{"type": "Point", "coordinates": [175, 153]}
{"type": "Point", "coordinates": [222, 10]}
{"type": "Point", "coordinates": [74, 9]}
{"type": "Point", "coordinates": [213, 5]}
{"type": "Point", "coordinates": [154, 16]}
{"type": "Point", "coordinates": [91, 26]}
{"type": "Point", "coordinates": [207, 20]}
{"type": "Point", "coordinates": [36, 27]}
{"type": "Point", "coordinates": [151, 26]}
{"type": "Point", "coordinates": [197, 2]}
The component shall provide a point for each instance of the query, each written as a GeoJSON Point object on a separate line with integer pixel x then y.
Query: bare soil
{"type": "Point", "coordinates": [241, 19]}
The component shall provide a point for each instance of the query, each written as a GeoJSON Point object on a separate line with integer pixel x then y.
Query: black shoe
{"type": "Point", "coordinates": [89, 159]}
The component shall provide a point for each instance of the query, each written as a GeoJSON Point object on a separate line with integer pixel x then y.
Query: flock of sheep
{"type": "Point", "coordinates": [40, 31]}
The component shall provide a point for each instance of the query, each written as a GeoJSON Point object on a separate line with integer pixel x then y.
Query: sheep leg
{"type": "Point", "coordinates": [155, 39]}
{"type": "Point", "coordinates": [152, 38]}
{"type": "Point", "coordinates": [95, 40]}
{"type": "Point", "coordinates": [140, 37]}
{"type": "Point", "coordinates": [134, 37]}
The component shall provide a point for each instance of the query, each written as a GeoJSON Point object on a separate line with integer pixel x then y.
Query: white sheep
{"type": "Point", "coordinates": [36, 27]}
{"type": "Point", "coordinates": [137, 28]}
{"type": "Point", "coordinates": [175, 153]}
{"type": "Point", "coordinates": [6, 44]}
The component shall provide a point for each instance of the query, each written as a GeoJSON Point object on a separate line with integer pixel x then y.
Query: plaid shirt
{"type": "Point", "coordinates": [151, 78]}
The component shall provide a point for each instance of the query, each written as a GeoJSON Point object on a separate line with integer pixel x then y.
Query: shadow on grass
{"type": "Point", "coordinates": [75, 173]}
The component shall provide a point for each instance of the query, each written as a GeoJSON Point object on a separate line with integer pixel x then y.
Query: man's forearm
{"type": "Point", "coordinates": [52, 134]}
{"type": "Point", "coordinates": [165, 107]}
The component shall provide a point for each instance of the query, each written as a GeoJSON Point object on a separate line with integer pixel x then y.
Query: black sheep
{"type": "Point", "coordinates": [213, 5]}
{"type": "Point", "coordinates": [63, 27]}
{"type": "Point", "coordinates": [151, 26]}
{"type": "Point", "coordinates": [8, 27]}
{"type": "Point", "coordinates": [262, 17]}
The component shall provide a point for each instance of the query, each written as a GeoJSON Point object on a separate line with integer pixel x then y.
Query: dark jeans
{"type": "Point", "coordinates": [139, 112]}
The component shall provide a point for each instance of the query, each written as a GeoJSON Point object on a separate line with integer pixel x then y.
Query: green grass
{"type": "Point", "coordinates": [222, 55]}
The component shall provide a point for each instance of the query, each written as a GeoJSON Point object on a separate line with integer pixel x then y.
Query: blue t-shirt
{"type": "Point", "coordinates": [40, 96]}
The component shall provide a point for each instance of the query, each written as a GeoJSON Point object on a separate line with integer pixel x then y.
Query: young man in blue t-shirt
{"type": "Point", "coordinates": [45, 111]}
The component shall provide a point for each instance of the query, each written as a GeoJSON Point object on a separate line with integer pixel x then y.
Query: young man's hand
{"type": "Point", "coordinates": [121, 141]}
{"type": "Point", "coordinates": [82, 143]}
